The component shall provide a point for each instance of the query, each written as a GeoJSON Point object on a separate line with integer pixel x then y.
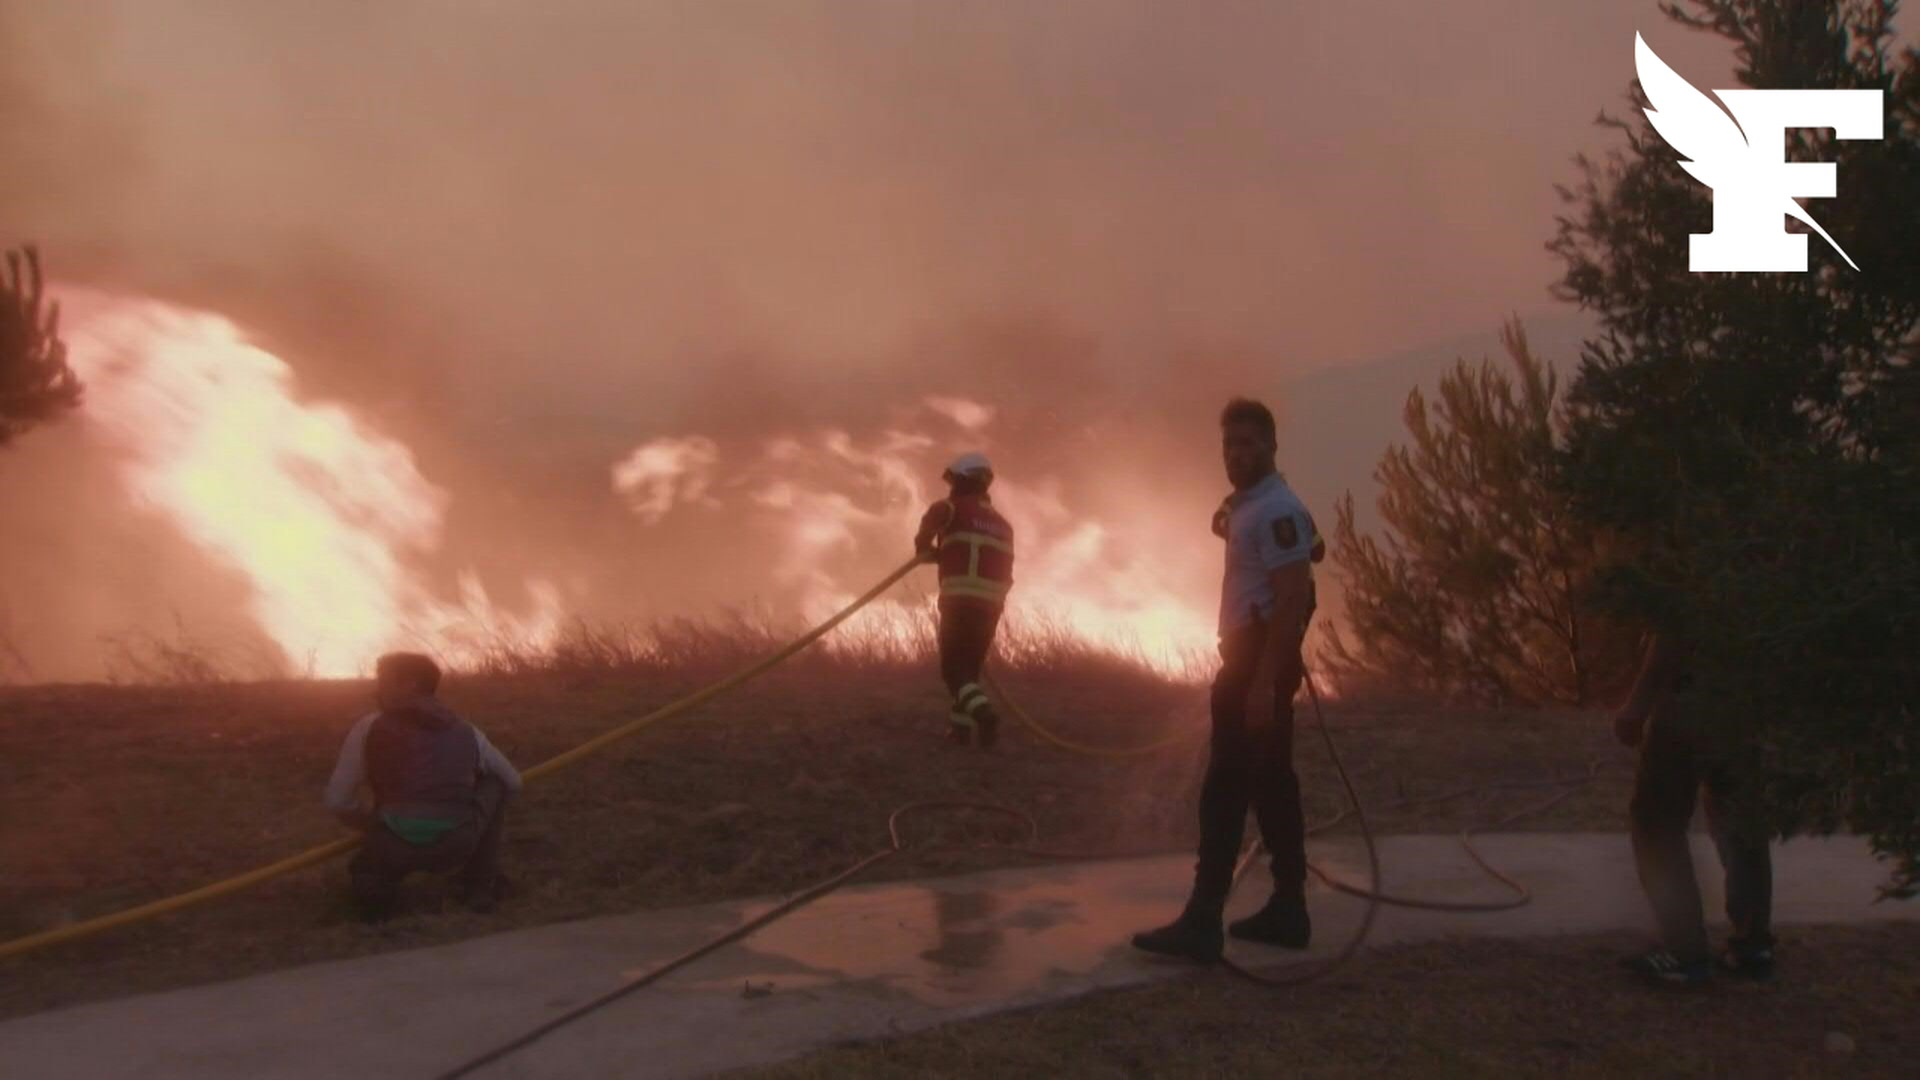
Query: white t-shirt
{"type": "Point", "coordinates": [1267, 527]}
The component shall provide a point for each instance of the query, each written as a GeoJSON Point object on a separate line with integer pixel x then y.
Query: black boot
{"type": "Point", "coordinates": [959, 728]}
{"type": "Point", "coordinates": [1195, 936]}
{"type": "Point", "coordinates": [484, 898]}
{"type": "Point", "coordinates": [1283, 922]}
{"type": "Point", "coordinates": [372, 911]}
{"type": "Point", "coordinates": [988, 723]}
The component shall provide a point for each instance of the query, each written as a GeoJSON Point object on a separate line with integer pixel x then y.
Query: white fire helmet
{"type": "Point", "coordinates": [970, 462]}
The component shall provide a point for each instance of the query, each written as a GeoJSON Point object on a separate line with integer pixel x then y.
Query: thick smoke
{"type": "Point", "coordinates": [525, 240]}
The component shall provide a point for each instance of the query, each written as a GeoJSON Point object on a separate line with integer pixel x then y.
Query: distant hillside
{"type": "Point", "coordinates": [1338, 420]}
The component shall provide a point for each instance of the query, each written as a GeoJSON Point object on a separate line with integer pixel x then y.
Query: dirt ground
{"type": "Point", "coordinates": [113, 796]}
{"type": "Point", "coordinates": [1843, 1003]}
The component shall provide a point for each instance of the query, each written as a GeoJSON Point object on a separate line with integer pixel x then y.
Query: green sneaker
{"type": "Point", "coordinates": [1750, 962]}
{"type": "Point", "coordinates": [1663, 967]}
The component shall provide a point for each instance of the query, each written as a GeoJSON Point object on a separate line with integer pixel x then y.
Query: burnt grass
{"type": "Point", "coordinates": [111, 796]}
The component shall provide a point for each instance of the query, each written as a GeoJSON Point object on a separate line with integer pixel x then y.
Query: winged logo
{"type": "Point", "coordinates": [1705, 133]}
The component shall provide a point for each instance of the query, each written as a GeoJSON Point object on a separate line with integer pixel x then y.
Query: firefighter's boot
{"type": "Point", "coordinates": [971, 702]}
{"type": "Point", "coordinates": [959, 728]}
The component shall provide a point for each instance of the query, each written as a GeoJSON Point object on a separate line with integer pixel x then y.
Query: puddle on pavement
{"type": "Point", "coordinates": [947, 946]}
{"type": "Point", "coordinates": [967, 941]}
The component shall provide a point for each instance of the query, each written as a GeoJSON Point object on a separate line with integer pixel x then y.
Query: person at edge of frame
{"type": "Point", "coordinates": [1679, 766]}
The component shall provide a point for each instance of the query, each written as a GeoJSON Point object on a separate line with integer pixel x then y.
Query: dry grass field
{"type": "Point", "coordinates": [115, 795]}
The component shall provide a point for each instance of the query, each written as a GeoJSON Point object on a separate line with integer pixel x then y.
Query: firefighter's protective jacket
{"type": "Point", "coordinates": [973, 545]}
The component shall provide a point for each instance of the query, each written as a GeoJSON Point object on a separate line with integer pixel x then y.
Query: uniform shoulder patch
{"type": "Point", "coordinates": [1285, 532]}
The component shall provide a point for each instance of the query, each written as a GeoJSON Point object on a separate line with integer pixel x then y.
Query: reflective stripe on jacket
{"type": "Point", "coordinates": [974, 546]}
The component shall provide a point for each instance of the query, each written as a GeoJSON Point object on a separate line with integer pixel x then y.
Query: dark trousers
{"type": "Point", "coordinates": [1249, 764]}
{"type": "Point", "coordinates": [966, 637]}
{"type": "Point", "coordinates": [1675, 766]}
{"type": "Point", "coordinates": [472, 850]}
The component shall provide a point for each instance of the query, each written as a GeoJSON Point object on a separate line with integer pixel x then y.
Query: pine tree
{"type": "Point", "coordinates": [36, 385]}
{"type": "Point", "coordinates": [1755, 435]}
{"type": "Point", "coordinates": [1474, 592]}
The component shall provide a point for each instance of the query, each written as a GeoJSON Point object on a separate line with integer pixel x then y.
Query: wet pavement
{"type": "Point", "coordinates": [865, 962]}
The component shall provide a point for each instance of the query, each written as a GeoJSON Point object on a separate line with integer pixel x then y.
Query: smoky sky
{"type": "Point", "coordinates": [525, 237]}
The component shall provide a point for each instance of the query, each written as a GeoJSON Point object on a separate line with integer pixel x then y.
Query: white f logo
{"type": "Point", "coordinates": [1743, 158]}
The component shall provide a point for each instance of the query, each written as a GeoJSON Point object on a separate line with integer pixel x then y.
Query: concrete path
{"type": "Point", "coordinates": [867, 961]}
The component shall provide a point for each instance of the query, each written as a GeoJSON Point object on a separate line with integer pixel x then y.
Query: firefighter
{"type": "Point", "coordinates": [1267, 599]}
{"type": "Point", "coordinates": [973, 546]}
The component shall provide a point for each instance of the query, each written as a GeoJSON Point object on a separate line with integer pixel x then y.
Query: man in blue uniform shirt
{"type": "Point", "coordinates": [1266, 599]}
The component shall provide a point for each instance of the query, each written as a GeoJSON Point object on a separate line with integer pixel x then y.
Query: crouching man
{"type": "Point", "coordinates": [425, 787]}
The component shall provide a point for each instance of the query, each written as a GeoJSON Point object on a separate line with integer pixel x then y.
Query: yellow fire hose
{"type": "Point", "coordinates": [90, 927]}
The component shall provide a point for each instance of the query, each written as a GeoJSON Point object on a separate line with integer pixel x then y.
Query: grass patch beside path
{"type": "Point", "coordinates": [1541, 1007]}
{"type": "Point", "coordinates": [113, 796]}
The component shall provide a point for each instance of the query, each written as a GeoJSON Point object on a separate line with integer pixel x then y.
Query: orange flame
{"type": "Point", "coordinates": [320, 515]}
{"type": "Point", "coordinates": [665, 471]}
{"type": "Point", "coordinates": [328, 521]}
